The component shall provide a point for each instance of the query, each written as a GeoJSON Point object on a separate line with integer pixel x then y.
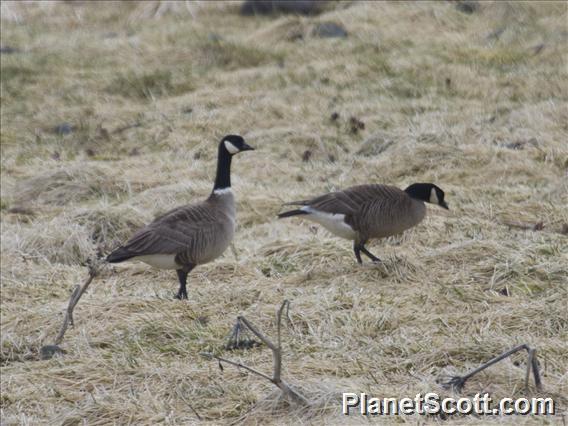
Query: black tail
{"type": "Point", "coordinates": [119, 255]}
{"type": "Point", "coordinates": [292, 213]}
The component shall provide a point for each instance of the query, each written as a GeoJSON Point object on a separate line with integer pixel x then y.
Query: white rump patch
{"type": "Point", "coordinates": [434, 196]}
{"type": "Point", "coordinates": [223, 191]}
{"type": "Point", "coordinates": [334, 223]}
{"type": "Point", "coordinates": [160, 261]}
{"type": "Point", "coordinates": [231, 148]}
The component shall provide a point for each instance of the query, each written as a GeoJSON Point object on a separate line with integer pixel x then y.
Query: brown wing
{"type": "Point", "coordinates": [333, 202]}
{"type": "Point", "coordinates": [350, 200]}
{"type": "Point", "coordinates": [187, 227]}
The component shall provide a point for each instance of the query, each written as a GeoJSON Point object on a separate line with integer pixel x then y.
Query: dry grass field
{"type": "Point", "coordinates": [111, 114]}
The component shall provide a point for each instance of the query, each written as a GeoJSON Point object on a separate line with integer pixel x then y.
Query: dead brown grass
{"type": "Point", "coordinates": [476, 103]}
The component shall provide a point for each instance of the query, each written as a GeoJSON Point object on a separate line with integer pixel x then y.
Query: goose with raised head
{"type": "Point", "coordinates": [193, 234]}
{"type": "Point", "coordinates": [365, 212]}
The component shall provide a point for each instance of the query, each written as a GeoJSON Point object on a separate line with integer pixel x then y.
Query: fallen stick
{"type": "Point", "coordinates": [47, 351]}
{"type": "Point", "coordinates": [458, 382]}
{"type": "Point", "coordinates": [539, 226]}
{"type": "Point", "coordinates": [276, 378]}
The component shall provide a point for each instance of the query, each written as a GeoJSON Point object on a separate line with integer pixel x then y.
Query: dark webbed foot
{"type": "Point", "coordinates": [181, 295]}
{"type": "Point", "coordinates": [360, 248]}
{"type": "Point", "coordinates": [370, 255]}
{"type": "Point", "coordinates": [239, 338]}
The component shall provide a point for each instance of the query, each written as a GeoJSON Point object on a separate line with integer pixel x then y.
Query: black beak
{"type": "Point", "coordinates": [444, 205]}
{"type": "Point", "coordinates": [247, 147]}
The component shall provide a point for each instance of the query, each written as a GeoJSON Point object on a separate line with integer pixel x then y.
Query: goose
{"type": "Point", "coordinates": [193, 234]}
{"type": "Point", "coordinates": [364, 212]}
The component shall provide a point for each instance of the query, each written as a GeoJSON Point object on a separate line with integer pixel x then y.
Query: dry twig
{"type": "Point", "coordinates": [75, 296]}
{"type": "Point", "coordinates": [48, 351]}
{"type": "Point", "coordinates": [276, 378]}
{"type": "Point", "coordinates": [539, 226]}
{"type": "Point", "coordinates": [458, 382]}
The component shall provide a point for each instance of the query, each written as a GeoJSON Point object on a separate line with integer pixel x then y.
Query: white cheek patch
{"type": "Point", "coordinates": [434, 197]}
{"type": "Point", "coordinates": [231, 148]}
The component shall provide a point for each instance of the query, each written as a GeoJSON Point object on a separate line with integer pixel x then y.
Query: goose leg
{"type": "Point", "coordinates": [369, 254]}
{"type": "Point", "coordinates": [182, 292]}
{"type": "Point", "coordinates": [357, 250]}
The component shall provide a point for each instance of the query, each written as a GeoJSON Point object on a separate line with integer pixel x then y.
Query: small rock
{"type": "Point", "coordinates": [245, 343]}
{"type": "Point", "coordinates": [294, 35]}
{"type": "Point", "coordinates": [21, 210]}
{"type": "Point", "coordinates": [214, 37]}
{"type": "Point", "coordinates": [496, 34]}
{"type": "Point", "coordinates": [334, 117]}
{"type": "Point", "coordinates": [270, 7]}
{"type": "Point", "coordinates": [306, 155]}
{"type": "Point", "coordinates": [520, 144]}
{"type": "Point", "coordinates": [63, 129]}
{"type": "Point", "coordinates": [467, 6]}
{"type": "Point", "coordinates": [48, 351]}
{"type": "Point", "coordinates": [538, 48]}
{"type": "Point", "coordinates": [202, 320]}
{"type": "Point", "coordinates": [515, 145]}
{"type": "Point", "coordinates": [103, 132]}
{"type": "Point", "coordinates": [329, 30]}
{"type": "Point", "coordinates": [375, 144]}
{"type": "Point", "coordinates": [8, 50]}
{"type": "Point", "coordinates": [355, 125]}
{"type": "Point", "coordinates": [504, 292]}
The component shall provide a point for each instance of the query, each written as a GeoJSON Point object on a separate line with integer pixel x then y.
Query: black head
{"type": "Point", "coordinates": [427, 192]}
{"type": "Point", "coordinates": [234, 144]}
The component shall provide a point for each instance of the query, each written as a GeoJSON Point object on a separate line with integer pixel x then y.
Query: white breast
{"type": "Point", "coordinates": [334, 223]}
{"type": "Point", "coordinates": [160, 261]}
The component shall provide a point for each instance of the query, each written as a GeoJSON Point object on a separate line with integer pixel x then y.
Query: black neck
{"type": "Point", "coordinates": [223, 177]}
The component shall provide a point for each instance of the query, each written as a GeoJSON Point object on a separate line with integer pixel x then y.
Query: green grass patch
{"type": "Point", "coordinates": [498, 58]}
{"type": "Point", "coordinates": [14, 77]}
{"type": "Point", "coordinates": [230, 55]}
{"type": "Point", "coordinates": [148, 85]}
{"type": "Point", "coordinates": [373, 61]}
